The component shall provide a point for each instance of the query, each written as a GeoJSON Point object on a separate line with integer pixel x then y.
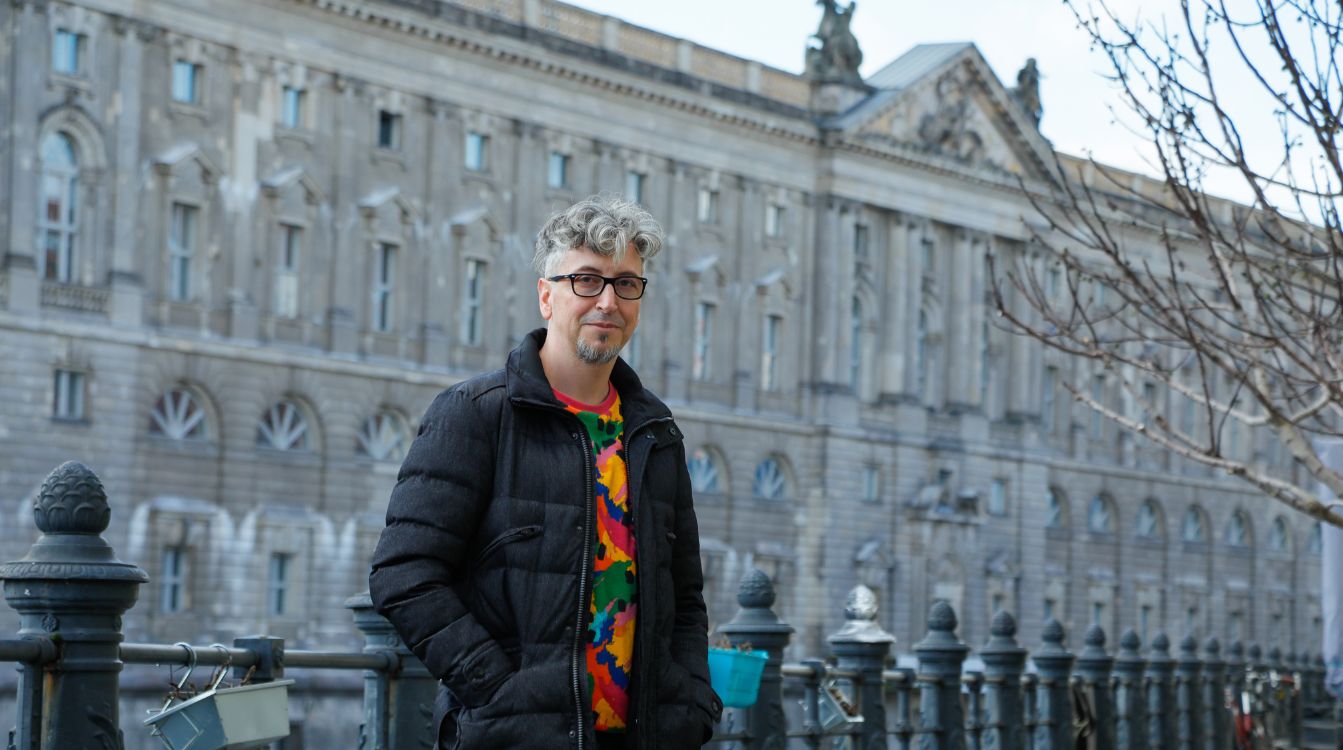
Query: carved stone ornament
{"type": "Point", "coordinates": [861, 604]}
{"type": "Point", "coordinates": [833, 55]}
{"type": "Point", "coordinates": [72, 501]}
{"type": "Point", "coordinates": [946, 131]}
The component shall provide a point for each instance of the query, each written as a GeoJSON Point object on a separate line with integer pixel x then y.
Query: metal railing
{"type": "Point", "coordinates": [70, 592]}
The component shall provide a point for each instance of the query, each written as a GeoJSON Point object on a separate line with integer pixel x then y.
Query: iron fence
{"type": "Point", "coordinates": [70, 592]}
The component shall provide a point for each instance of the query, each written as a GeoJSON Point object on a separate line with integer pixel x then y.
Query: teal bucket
{"type": "Point", "coordinates": [736, 675]}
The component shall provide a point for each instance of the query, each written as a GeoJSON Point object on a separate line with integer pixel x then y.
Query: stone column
{"type": "Point", "coordinates": [399, 703]}
{"type": "Point", "coordinates": [1054, 708]}
{"type": "Point", "coordinates": [1187, 695]}
{"type": "Point", "coordinates": [1130, 696]}
{"type": "Point", "coordinates": [1160, 668]}
{"type": "Point", "coordinates": [941, 654]}
{"type": "Point", "coordinates": [72, 589]}
{"type": "Point", "coordinates": [756, 624]}
{"type": "Point", "coordinates": [1004, 662]}
{"type": "Point", "coordinates": [862, 646]}
{"type": "Point", "coordinates": [1094, 666]}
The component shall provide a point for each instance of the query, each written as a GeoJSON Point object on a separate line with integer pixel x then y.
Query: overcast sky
{"type": "Point", "coordinates": [1075, 94]}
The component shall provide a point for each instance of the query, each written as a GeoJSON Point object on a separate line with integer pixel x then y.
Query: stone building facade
{"type": "Point", "coordinates": [245, 244]}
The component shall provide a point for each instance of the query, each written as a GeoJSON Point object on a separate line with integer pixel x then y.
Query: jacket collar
{"type": "Point", "coordinates": [526, 383]}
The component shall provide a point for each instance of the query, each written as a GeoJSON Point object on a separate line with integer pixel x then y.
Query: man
{"type": "Point", "coordinates": [541, 554]}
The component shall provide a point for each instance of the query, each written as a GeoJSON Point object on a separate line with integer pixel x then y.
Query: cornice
{"type": "Point", "coordinates": [469, 31]}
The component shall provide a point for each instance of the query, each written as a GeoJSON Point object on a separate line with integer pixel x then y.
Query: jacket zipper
{"type": "Point", "coordinates": [640, 649]}
{"type": "Point", "coordinates": [587, 449]}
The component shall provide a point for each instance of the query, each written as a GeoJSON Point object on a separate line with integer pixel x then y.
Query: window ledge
{"type": "Point", "coordinates": [389, 156]}
{"type": "Point", "coordinates": [77, 81]}
{"type": "Point", "coordinates": [298, 135]}
{"type": "Point", "coordinates": [72, 421]}
{"type": "Point", "coordinates": [188, 109]}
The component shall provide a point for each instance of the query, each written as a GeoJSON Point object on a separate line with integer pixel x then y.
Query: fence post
{"type": "Point", "coordinates": [398, 702]}
{"type": "Point", "coordinates": [72, 589]}
{"type": "Point", "coordinates": [1130, 695]}
{"type": "Point", "coordinates": [1004, 662]}
{"type": "Point", "coordinates": [941, 654]}
{"type": "Point", "coordinates": [1094, 667]}
{"type": "Point", "coordinates": [862, 646]}
{"type": "Point", "coordinates": [757, 625]}
{"type": "Point", "coordinates": [1295, 715]}
{"type": "Point", "coordinates": [1054, 704]}
{"type": "Point", "coordinates": [1215, 730]}
{"type": "Point", "coordinates": [1235, 669]}
{"type": "Point", "coordinates": [1187, 695]}
{"type": "Point", "coordinates": [1160, 726]}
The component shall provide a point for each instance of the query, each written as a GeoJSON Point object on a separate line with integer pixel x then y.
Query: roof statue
{"type": "Point", "coordinates": [833, 55]}
{"type": "Point", "coordinates": [1027, 91]}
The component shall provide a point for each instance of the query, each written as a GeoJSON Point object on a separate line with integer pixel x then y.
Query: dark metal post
{"type": "Point", "coordinates": [1296, 717]}
{"type": "Point", "coordinates": [1235, 669]}
{"type": "Point", "coordinates": [1130, 694]}
{"type": "Point", "coordinates": [862, 646]}
{"type": "Point", "coordinates": [1094, 667]}
{"type": "Point", "coordinates": [757, 625]}
{"type": "Point", "coordinates": [398, 701]}
{"type": "Point", "coordinates": [1004, 662]}
{"type": "Point", "coordinates": [1216, 730]}
{"type": "Point", "coordinates": [1160, 667]}
{"type": "Point", "coordinates": [1054, 702]}
{"type": "Point", "coordinates": [72, 589]}
{"type": "Point", "coordinates": [903, 728]}
{"type": "Point", "coordinates": [941, 654]}
{"type": "Point", "coordinates": [1187, 694]}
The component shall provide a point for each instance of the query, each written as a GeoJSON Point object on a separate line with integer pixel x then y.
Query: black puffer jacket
{"type": "Point", "coordinates": [485, 565]}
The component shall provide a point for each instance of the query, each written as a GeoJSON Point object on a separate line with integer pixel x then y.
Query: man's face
{"type": "Point", "coordinates": [593, 328]}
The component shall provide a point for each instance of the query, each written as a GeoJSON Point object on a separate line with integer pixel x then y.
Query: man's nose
{"type": "Point", "coordinates": [607, 299]}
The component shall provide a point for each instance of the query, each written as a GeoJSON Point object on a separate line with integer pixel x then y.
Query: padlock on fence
{"type": "Point", "coordinates": [234, 718]}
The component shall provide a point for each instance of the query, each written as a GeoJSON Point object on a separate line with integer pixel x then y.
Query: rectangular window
{"type": "Point", "coordinates": [181, 251]}
{"type": "Point", "coordinates": [708, 206]}
{"type": "Point", "coordinates": [997, 603]}
{"type": "Point", "coordinates": [1191, 620]}
{"type": "Point", "coordinates": [67, 52]}
{"type": "Point", "coordinates": [172, 580]}
{"type": "Point", "coordinates": [389, 130]}
{"type": "Point", "coordinates": [557, 173]}
{"type": "Point", "coordinates": [1049, 609]}
{"type": "Point", "coordinates": [384, 284]}
{"type": "Point", "coordinates": [1048, 386]}
{"type": "Point", "coordinates": [703, 344]}
{"type": "Point", "coordinates": [928, 257]}
{"type": "Point", "coordinates": [68, 395]}
{"type": "Point", "coordinates": [1235, 626]}
{"type": "Point", "coordinates": [473, 289]}
{"type": "Point", "coordinates": [1098, 396]}
{"type": "Point", "coordinates": [477, 157]}
{"type": "Point", "coordinates": [769, 353]}
{"type": "Point", "coordinates": [860, 242]}
{"type": "Point", "coordinates": [774, 220]}
{"type": "Point", "coordinates": [1097, 613]}
{"type": "Point", "coordinates": [871, 484]}
{"type": "Point", "coordinates": [286, 271]}
{"type": "Point", "coordinates": [1144, 621]}
{"type": "Point", "coordinates": [277, 584]}
{"type": "Point", "coordinates": [187, 82]}
{"type": "Point", "coordinates": [1053, 281]}
{"type": "Point", "coordinates": [292, 101]}
{"type": "Point", "coordinates": [998, 497]}
{"type": "Point", "coordinates": [634, 186]}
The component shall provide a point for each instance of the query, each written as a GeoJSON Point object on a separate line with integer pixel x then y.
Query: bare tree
{"type": "Point", "coordinates": [1231, 312]}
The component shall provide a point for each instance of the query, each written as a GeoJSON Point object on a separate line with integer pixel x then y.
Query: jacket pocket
{"type": "Point", "coordinates": [510, 536]}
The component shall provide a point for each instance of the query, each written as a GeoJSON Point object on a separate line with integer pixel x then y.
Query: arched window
{"type": "Point", "coordinates": [1100, 516]}
{"type": "Point", "coordinates": [856, 344]}
{"type": "Point", "coordinates": [1277, 535]}
{"type": "Point", "coordinates": [704, 474]}
{"type": "Point", "coordinates": [283, 427]}
{"type": "Point", "coordinates": [384, 437]}
{"type": "Point", "coordinates": [770, 481]}
{"type": "Point", "coordinates": [177, 415]}
{"type": "Point", "coordinates": [1238, 530]}
{"type": "Point", "coordinates": [59, 203]}
{"type": "Point", "coordinates": [1148, 523]}
{"type": "Point", "coordinates": [1053, 509]}
{"type": "Point", "coordinates": [1195, 527]}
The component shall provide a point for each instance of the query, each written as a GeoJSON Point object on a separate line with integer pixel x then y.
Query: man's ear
{"type": "Point", "coordinates": [543, 297]}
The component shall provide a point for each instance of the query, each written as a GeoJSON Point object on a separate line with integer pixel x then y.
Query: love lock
{"type": "Point", "coordinates": [836, 713]}
{"type": "Point", "coordinates": [235, 718]}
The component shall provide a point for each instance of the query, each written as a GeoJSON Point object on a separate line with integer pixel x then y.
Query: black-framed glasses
{"type": "Point", "coordinates": [592, 285]}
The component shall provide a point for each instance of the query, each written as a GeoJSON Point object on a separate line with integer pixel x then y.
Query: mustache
{"type": "Point", "coordinates": [596, 317]}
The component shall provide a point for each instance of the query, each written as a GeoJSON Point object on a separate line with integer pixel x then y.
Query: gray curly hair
{"type": "Point", "coordinates": [605, 224]}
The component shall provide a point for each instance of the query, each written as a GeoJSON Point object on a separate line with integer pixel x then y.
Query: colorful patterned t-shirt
{"type": "Point", "coordinates": [610, 648]}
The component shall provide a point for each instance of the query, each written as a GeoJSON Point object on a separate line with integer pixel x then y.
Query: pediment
{"type": "Point", "coordinates": [375, 202]}
{"type": "Point", "coordinates": [294, 176]}
{"type": "Point", "coordinates": [945, 102]}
